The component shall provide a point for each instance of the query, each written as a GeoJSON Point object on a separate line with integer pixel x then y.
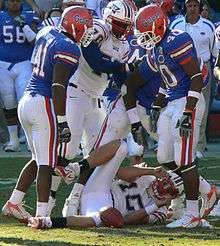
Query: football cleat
{"type": "Point", "coordinates": [51, 205]}
{"type": "Point", "coordinates": [40, 222]}
{"type": "Point", "coordinates": [208, 201]}
{"type": "Point", "coordinates": [187, 221]}
{"type": "Point", "coordinates": [216, 210]}
{"type": "Point", "coordinates": [12, 147]}
{"type": "Point", "coordinates": [15, 210]}
{"type": "Point", "coordinates": [68, 173]}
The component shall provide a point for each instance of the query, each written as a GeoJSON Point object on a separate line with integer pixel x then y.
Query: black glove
{"type": "Point", "coordinates": [131, 67]}
{"type": "Point", "coordinates": [185, 124]}
{"type": "Point", "coordinates": [154, 116]}
{"type": "Point", "coordinates": [136, 131]}
{"type": "Point", "coordinates": [20, 21]}
{"type": "Point", "coordinates": [64, 132]}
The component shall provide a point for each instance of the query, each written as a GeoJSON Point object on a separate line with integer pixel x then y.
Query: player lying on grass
{"type": "Point", "coordinates": [137, 197]}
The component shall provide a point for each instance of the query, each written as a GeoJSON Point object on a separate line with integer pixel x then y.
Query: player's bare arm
{"type": "Point", "coordinates": [129, 174]}
{"type": "Point", "coordinates": [193, 71]}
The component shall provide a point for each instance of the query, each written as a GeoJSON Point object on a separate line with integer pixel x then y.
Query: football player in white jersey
{"type": "Point", "coordinates": [140, 198]}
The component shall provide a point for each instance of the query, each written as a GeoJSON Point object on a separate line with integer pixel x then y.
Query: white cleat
{"type": "Point", "coordinates": [187, 221]}
{"type": "Point", "coordinates": [216, 210]}
{"type": "Point", "coordinates": [15, 210]}
{"type": "Point", "coordinates": [40, 222]}
{"type": "Point", "coordinates": [68, 173]}
{"type": "Point", "coordinates": [12, 147]}
{"type": "Point", "coordinates": [208, 201]}
{"type": "Point", "coordinates": [51, 205]}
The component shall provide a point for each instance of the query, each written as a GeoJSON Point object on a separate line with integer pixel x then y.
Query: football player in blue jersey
{"type": "Point", "coordinates": [176, 60]}
{"type": "Point", "coordinates": [43, 105]}
{"type": "Point", "coordinates": [17, 33]}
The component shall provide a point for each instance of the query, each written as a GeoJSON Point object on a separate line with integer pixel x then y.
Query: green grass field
{"type": "Point", "coordinates": [14, 233]}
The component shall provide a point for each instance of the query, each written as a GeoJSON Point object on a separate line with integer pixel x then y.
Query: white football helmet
{"type": "Point", "coordinates": [119, 16]}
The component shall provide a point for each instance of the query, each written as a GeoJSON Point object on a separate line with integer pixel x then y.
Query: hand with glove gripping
{"type": "Point", "coordinates": [20, 21]}
{"type": "Point", "coordinates": [154, 116]}
{"type": "Point", "coordinates": [133, 66]}
{"type": "Point", "coordinates": [185, 124]}
{"type": "Point", "coordinates": [63, 130]}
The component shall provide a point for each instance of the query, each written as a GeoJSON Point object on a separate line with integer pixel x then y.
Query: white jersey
{"type": "Point", "coordinates": [85, 78]}
{"type": "Point", "coordinates": [129, 197]}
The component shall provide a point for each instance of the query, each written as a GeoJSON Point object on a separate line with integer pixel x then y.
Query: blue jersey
{"type": "Point", "coordinates": [175, 49]}
{"type": "Point", "coordinates": [14, 45]}
{"type": "Point", "coordinates": [51, 48]}
{"type": "Point", "coordinates": [147, 93]}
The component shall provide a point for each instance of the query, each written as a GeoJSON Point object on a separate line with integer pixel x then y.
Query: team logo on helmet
{"type": "Point", "coordinates": [150, 20]}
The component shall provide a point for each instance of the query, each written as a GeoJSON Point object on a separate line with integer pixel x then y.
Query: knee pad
{"type": "Point", "coordinates": [10, 113]}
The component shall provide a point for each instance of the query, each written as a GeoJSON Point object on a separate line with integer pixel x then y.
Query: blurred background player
{"type": "Point", "coordinates": [56, 59]}
{"type": "Point", "coordinates": [17, 29]}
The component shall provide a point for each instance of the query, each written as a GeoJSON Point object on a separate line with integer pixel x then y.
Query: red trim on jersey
{"type": "Point", "coordinates": [52, 130]}
{"type": "Point", "coordinates": [180, 48]}
{"type": "Point", "coordinates": [185, 61]}
{"type": "Point", "coordinates": [65, 53]}
{"type": "Point", "coordinates": [66, 61]}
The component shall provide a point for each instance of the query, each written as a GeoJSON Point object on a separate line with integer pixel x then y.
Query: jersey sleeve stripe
{"type": "Point", "coordinates": [65, 58]}
{"type": "Point", "coordinates": [66, 54]}
{"type": "Point", "coordinates": [182, 52]}
{"type": "Point", "coordinates": [188, 59]}
{"type": "Point", "coordinates": [181, 47]}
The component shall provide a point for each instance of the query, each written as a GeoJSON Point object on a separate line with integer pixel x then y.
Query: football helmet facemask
{"type": "Point", "coordinates": [150, 26]}
{"type": "Point", "coordinates": [119, 16]}
{"type": "Point", "coordinates": [78, 22]}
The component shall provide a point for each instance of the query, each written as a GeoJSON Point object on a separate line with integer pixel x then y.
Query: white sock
{"type": "Point", "coordinates": [41, 209]}
{"type": "Point", "coordinates": [192, 207]}
{"type": "Point", "coordinates": [55, 182]}
{"type": "Point", "coordinates": [13, 133]}
{"type": "Point", "coordinates": [204, 186]}
{"type": "Point", "coordinates": [16, 196]}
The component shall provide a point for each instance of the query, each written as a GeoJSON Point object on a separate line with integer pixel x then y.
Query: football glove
{"type": "Point", "coordinates": [64, 132]}
{"type": "Point", "coordinates": [185, 124]}
{"type": "Point", "coordinates": [131, 67]}
{"type": "Point", "coordinates": [20, 21]}
{"type": "Point", "coordinates": [136, 131]}
{"type": "Point", "coordinates": [154, 116]}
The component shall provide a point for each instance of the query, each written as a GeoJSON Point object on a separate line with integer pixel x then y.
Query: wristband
{"type": "Point", "coordinates": [133, 115]}
{"type": "Point", "coordinates": [97, 219]}
{"type": "Point", "coordinates": [61, 118]}
{"type": "Point", "coordinates": [151, 209]}
{"type": "Point", "coordinates": [29, 33]}
{"type": "Point", "coordinates": [194, 94]}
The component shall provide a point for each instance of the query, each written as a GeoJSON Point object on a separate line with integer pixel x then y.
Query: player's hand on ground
{"type": "Point", "coordinates": [64, 132]}
{"type": "Point", "coordinates": [154, 116]}
{"type": "Point", "coordinates": [160, 172]}
{"type": "Point", "coordinates": [185, 124]}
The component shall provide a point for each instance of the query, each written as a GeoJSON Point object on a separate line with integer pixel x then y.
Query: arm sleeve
{"type": "Point", "coordinates": [98, 62]}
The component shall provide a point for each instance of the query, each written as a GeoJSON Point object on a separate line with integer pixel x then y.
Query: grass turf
{"type": "Point", "coordinates": [14, 233]}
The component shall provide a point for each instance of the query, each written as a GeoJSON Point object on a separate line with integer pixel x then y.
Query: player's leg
{"type": "Point", "coordinates": [28, 174]}
{"type": "Point", "coordinates": [8, 96]}
{"type": "Point", "coordinates": [184, 158]}
{"type": "Point", "coordinates": [97, 157]}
